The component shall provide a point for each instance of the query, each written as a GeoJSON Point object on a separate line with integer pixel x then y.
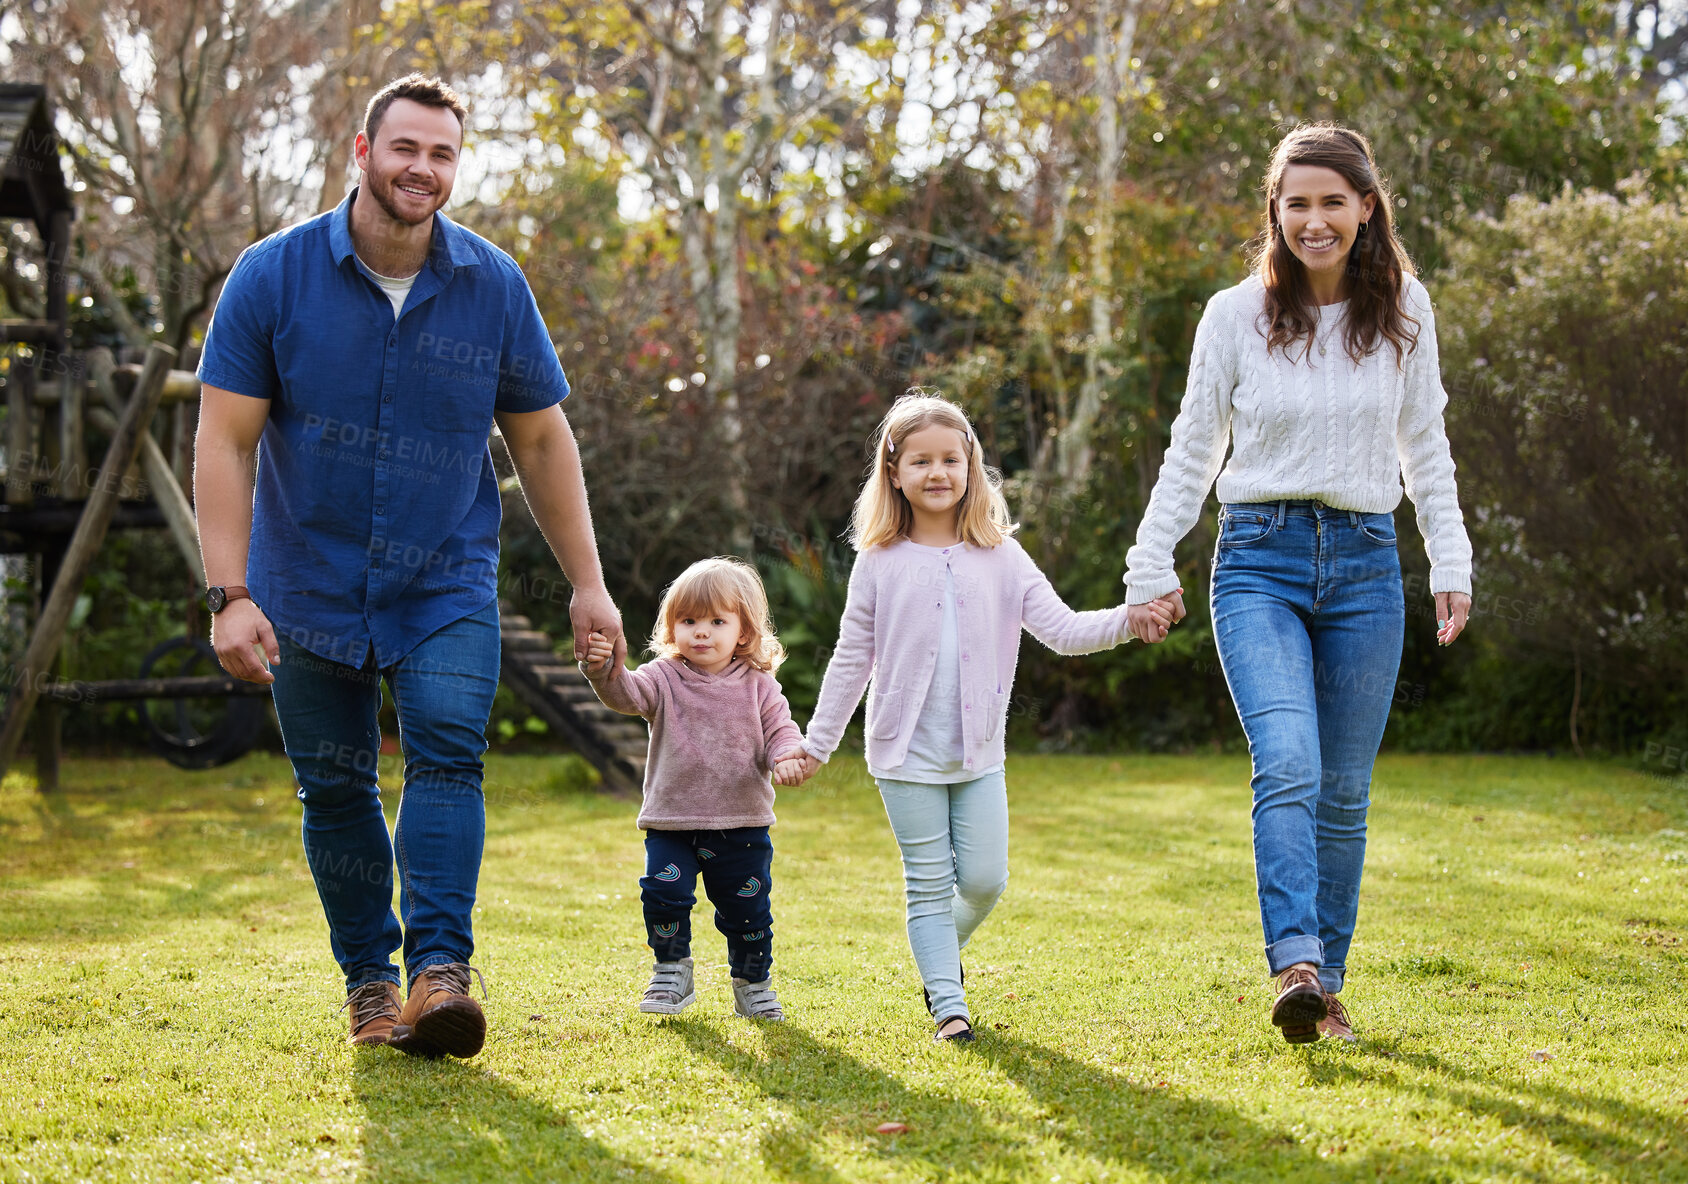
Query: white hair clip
{"type": "Point", "coordinates": [890, 446]}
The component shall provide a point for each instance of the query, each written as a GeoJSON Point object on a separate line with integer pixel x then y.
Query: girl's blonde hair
{"type": "Point", "coordinates": [720, 585]}
{"type": "Point", "coordinates": [883, 515]}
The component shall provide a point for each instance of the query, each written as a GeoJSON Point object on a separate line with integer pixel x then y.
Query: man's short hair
{"type": "Point", "coordinates": [418, 88]}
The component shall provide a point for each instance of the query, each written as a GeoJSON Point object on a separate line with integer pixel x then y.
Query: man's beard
{"type": "Point", "coordinates": [381, 189]}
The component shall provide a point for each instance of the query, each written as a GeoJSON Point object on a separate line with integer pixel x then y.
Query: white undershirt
{"type": "Point", "coordinates": [396, 289]}
{"type": "Point", "coordinates": [935, 750]}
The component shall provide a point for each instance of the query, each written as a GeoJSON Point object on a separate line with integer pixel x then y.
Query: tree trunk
{"type": "Point", "coordinates": [1074, 452]}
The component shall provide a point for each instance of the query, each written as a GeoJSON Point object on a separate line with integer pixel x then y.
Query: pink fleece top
{"type": "Point", "coordinates": [714, 739]}
{"type": "Point", "coordinates": [889, 634]}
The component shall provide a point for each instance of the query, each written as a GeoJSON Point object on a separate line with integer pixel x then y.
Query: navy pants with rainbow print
{"type": "Point", "coordinates": [736, 866]}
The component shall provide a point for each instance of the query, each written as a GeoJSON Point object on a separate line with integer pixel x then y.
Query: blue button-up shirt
{"type": "Point", "coordinates": [376, 513]}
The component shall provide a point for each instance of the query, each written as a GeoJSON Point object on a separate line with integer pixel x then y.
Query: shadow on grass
{"type": "Point", "coordinates": [835, 1097]}
{"type": "Point", "coordinates": [1607, 1135]}
{"type": "Point", "coordinates": [1109, 1119]}
{"type": "Point", "coordinates": [444, 1121]}
{"type": "Point", "coordinates": [1117, 1122]}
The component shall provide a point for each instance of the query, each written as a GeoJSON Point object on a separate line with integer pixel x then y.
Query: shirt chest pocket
{"type": "Point", "coordinates": [458, 383]}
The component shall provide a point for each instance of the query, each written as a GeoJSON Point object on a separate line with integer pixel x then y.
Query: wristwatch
{"type": "Point", "coordinates": [218, 596]}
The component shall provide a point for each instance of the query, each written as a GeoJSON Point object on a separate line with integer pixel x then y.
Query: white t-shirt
{"type": "Point", "coordinates": [396, 290]}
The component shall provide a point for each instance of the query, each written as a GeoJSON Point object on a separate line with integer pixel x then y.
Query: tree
{"type": "Point", "coordinates": [190, 136]}
{"type": "Point", "coordinates": [1565, 349]}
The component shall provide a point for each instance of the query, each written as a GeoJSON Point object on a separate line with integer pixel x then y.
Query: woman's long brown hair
{"type": "Point", "coordinates": [1377, 262]}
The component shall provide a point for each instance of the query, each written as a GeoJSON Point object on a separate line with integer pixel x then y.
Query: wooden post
{"type": "Point", "coordinates": [20, 414]}
{"type": "Point", "coordinates": [90, 532]}
{"type": "Point", "coordinates": [49, 713]}
{"type": "Point", "coordinates": [178, 514]}
{"type": "Point", "coordinates": [73, 445]}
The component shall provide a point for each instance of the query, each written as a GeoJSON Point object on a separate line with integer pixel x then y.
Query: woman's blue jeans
{"type": "Point", "coordinates": [1308, 615]}
{"type": "Point", "coordinates": [443, 692]}
{"type": "Point", "coordinates": [954, 840]}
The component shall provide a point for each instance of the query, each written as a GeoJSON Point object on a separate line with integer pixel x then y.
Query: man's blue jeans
{"type": "Point", "coordinates": [443, 692]}
{"type": "Point", "coordinates": [1308, 615]}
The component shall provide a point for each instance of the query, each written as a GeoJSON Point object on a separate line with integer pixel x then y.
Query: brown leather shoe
{"type": "Point", "coordinates": [439, 1017]}
{"type": "Point", "coordinates": [1335, 1024]}
{"type": "Point", "coordinates": [1300, 1005]}
{"type": "Point", "coordinates": [375, 1009]}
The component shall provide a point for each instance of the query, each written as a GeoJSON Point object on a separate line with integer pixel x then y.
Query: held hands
{"type": "Point", "coordinates": [242, 636]}
{"type": "Point", "coordinates": [1452, 610]}
{"type": "Point", "coordinates": [600, 650]}
{"type": "Point", "coordinates": [591, 611]}
{"type": "Point", "coordinates": [1149, 622]}
{"type": "Point", "coordinates": [794, 767]}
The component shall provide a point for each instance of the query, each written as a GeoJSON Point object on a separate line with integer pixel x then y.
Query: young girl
{"type": "Point", "coordinates": [717, 718]}
{"type": "Point", "coordinates": [937, 600]}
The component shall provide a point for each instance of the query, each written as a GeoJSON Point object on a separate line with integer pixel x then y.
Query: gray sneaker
{"type": "Point", "coordinates": [670, 991]}
{"type": "Point", "coordinates": [757, 1001]}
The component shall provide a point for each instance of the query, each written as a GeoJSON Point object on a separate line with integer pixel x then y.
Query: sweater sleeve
{"type": "Point", "coordinates": [1046, 616]}
{"type": "Point", "coordinates": [1200, 436]}
{"type": "Point", "coordinates": [631, 692]}
{"type": "Point", "coordinates": [1427, 463]}
{"type": "Point", "coordinates": [850, 667]}
{"type": "Point", "coordinates": [780, 735]}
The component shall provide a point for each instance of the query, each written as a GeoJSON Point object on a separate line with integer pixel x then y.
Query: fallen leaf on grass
{"type": "Point", "coordinates": [891, 1128]}
{"type": "Point", "coordinates": [1541, 1054]}
{"type": "Point", "coordinates": [1240, 998]}
{"type": "Point", "coordinates": [326, 1138]}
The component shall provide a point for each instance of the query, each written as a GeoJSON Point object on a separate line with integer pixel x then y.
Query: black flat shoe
{"type": "Point", "coordinates": [964, 1034]}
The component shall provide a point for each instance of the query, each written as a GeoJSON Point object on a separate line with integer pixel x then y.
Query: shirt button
{"type": "Point", "coordinates": [383, 454]}
{"type": "Point", "coordinates": [386, 398]}
{"type": "Point", "coordinates": [380, 509]}
{"type": "Point", "coordinates": [395, 341]}
{"type": "Point", "coordinates": [967, 707]}
{"type": "Point", "coordinates": [965, 658]}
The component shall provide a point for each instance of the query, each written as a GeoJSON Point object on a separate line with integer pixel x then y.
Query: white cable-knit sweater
{"type": "Point", "coordinates": [1305, 426]}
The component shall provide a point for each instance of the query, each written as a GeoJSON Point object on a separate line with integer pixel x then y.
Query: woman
{"type": "Point", "coordinates": [1320, 369]}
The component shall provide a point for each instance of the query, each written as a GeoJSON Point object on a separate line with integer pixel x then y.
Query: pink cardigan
{"type": "Point", "coordinates": [889, 634]}
{"type": "Point", "coordinates": [714, 740]}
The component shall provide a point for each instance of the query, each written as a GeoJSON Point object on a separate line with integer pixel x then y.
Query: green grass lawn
{"type": "Point", "coordinates": [1520, 983]}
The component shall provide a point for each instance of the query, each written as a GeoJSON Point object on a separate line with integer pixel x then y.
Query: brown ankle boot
{"type": "Point", "coordinates": [439, 1017]}
{"type": "Point", "coordinates": [1300, 1005]}
{"type": "Point", "coordinates": [1336, 1024]}
{"type": "Point", "coordinates": [375, 1009]}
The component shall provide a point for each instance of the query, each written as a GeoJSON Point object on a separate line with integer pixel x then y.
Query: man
{"type": "Point", "coordinates": [362, 358]}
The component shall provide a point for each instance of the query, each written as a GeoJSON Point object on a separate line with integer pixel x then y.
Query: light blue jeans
{"type": "Point", "coordinates": [954, 840]}
{"type": "Point", "coordinates": [1308, 616]}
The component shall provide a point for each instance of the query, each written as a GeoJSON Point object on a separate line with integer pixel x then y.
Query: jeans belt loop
{"type": "Point", "coordinates": [1354, 519]}
{"type": "Point", "coordinates": [1283, 510]}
